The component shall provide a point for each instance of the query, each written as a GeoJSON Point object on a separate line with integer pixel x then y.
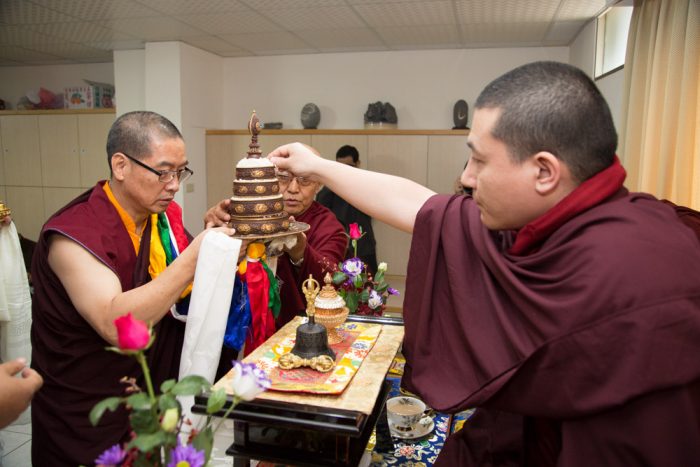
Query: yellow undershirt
{"type": "Point", "coordinates": [129, 223]}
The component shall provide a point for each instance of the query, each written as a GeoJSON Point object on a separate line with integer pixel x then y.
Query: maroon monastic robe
{"type": "Point", "coordinates": [78, 372]}
{"type": "Point", "coordinates": [580, 350]}
{"type": "Point", "coordinates": [326, 244]}
{"type": "Point", "coordinates": [689, 217]}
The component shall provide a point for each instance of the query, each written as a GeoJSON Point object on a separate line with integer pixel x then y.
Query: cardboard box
{"type": "Point", "coordinates": [90, 96]}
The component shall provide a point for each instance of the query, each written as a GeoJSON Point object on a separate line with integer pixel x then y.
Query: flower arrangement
{"type": "Point", "coordinates": [363, 293]}
{"type": "Point", "coordinates": [156, 420]}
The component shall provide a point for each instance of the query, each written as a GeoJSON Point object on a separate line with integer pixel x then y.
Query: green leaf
{"type": "Point", "coordinates": [339, 277]}
{"type": "Point", "coordinates": [111, 404]}
{"type": "Point", "coordinates": [358, 281]}
{"type": "Point", "coordinates": [381, 288]}
{"type": "Point", "coordinates": [203, 441]}
{"type": "Point", "coordinates": [146, 442]}
{"type": "Point", "coordinates": [190, 385]}
{"type": "Point", "coordinates": [168, 401]}
{"type": "Point", "coordinates": [167, 385]}
{"type": "Point", "coordinates": [351, 302]}
{"type": "Point", "coordinates": [379, 277]}
{"type": "Point", "coordinates": [139, 401]}
{"type": "Point", "coordinates": [144, 421]}
{"type": "Point", "coordinates": [216, 401]}
{"type": "Point", "coordinates": [364, 296]}
{"type": "Point", "coordinates": [171, 440]}
{"type": "Point", "coordinates": [143, 461]}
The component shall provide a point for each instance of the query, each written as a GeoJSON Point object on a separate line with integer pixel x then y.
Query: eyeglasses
{"type": "Point", "coordinates": [165, 176]}
{"type": "Point", "coordinates": [286, 179]}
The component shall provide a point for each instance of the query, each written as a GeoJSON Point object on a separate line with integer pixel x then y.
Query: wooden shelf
{"type": "Point", "coordinates": [363, 131]}
{"type": "Point", "coordinates": [57, 112]}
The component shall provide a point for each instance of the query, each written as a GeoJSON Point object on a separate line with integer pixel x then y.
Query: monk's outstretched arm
{"type": "Point", "coordinates": [388, 198]}
{"type": "Point", "coordinates": [97, 294]}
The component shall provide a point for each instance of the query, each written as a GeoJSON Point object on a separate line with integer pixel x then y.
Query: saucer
{"type": "Point", "coordinates": [424, 427]}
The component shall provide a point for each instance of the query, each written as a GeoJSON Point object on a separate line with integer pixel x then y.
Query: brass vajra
{"type": "Point", "coordinates": [322, 363]}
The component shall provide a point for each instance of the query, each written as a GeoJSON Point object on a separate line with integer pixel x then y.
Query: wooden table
{"type": "Point", "coordinates": [314, 430]}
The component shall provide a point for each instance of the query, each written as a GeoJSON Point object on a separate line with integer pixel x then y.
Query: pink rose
{"type": "Point", "coordinates": [132, 334]}
{"type": "Point", "coordinates": [355, 232]}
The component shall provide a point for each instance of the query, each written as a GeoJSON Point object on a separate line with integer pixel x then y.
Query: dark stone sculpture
{"type": "Point", "coordinates": [389, 114]}
{"type": "Point", "coordinates": [378, 112]}
{"type": "Point", "coordinates": [310, 116]}
{"type": "Point", "coordinates": [460, 114]}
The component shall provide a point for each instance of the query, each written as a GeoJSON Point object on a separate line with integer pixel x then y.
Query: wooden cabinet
{"type": "Point", "coordinates": [21, 155]}
{"type": "Point", "coordinates": [58, 139]}
{"type": "Point", "coordinates": [92, 137]}
{"type": "Point", "coordinates": [47, 159]}
{"type": "Point", "coordinates": [431, 158]}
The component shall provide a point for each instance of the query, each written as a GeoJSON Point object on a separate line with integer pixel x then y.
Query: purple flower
{"type": "Point", "coordinates": [111, 457]}
{"type": "Point", "coordinates": [353, 267]}
{"type": "Point", "coordinates": [392, 291]}
{"type": "Point", "coordinates": [186, 456]}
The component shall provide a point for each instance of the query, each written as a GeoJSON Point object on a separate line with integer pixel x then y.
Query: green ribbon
{"type": "Point", "coordinates": [164, 234]}
{"type": "Point", "coordinates": [273, 302]}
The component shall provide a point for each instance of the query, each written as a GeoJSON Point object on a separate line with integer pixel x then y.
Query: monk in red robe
{"type": "Point", "coordinates": [563, 307]}
{"type": "Point", "coordinates": [97, 259]}
{"type": "Point", "coordinates": [317, 251]}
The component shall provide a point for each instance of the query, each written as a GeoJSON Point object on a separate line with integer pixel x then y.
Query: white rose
{"type": "Point", "coordinates": [375, 300]}
{"type": "Point", "coordinates": [381, 267]}
{"type": "Point", "coordinates": [248, 381]}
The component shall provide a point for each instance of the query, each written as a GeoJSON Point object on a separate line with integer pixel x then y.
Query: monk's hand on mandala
{"type": "Point", "coordinates": [218, 215]}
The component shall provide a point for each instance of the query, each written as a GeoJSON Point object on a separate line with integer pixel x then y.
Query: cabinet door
{"type": "Point", "coordinates": [223, 151]}
{"type": "Point", "coordinates": [22, 157]}
{"type": "Point", "coordinates": [405, 156]}
{"type": "Point", "coordinates": [270, 142]}
{"type": "Point", "coordinates": [328, 145]}
{"type": "Point", "coordinates": [60, 162]}
{"type": "Point", "coordinates": [92, 136]}
{"type": "Point", "coordinates": [27, 204]}
{"type": "Point", "coordinates": [447, 156]}
{"type": "Point", "coordinates": [56, 198]}
{"type": "Point", "coordinates": [402, 155]}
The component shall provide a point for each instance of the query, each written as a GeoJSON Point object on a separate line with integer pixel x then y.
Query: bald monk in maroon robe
{"type": "Point", "coordinates": [91, 266]}
{"type": "Point", "coordinates": [563, 307]}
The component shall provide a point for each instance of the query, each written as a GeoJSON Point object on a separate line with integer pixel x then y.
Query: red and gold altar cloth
{"type": "Point", "coordinates": [361, 390]}
{"type": "Point", "coordinates": [358, 340]}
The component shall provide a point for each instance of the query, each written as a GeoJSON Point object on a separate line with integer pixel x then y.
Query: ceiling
{"type": "Point", "coordinates": [48, 32]}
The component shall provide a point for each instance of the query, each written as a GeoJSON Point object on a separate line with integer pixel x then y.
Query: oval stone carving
{"type": "Point", "coordinates": [310, 116]}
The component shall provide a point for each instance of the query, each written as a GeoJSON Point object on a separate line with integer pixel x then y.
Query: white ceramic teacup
{"type": "Point", "coordinates": [404, 412]}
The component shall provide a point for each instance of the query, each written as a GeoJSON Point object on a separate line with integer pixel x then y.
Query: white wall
{"type": "Point", "coordinates": [129, 79]}
{"type": "Point", "coordinates": [582, 50]}
{"type": "Point", "coordinates": [612, 88]}
{"type": "Point", "coordinates": [16, 81]}
{"type": "Point", "coordinates": [582, 55]}
{"type": "Point", "coordinates": [201, 82]}
{"type": "Point", "coordinates": [422, 85]}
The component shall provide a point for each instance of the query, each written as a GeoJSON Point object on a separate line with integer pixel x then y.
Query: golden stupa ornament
{"type": "Point", "coordinates": [331, 311]}
{"type": "Point", "coordinates": [4, 211]}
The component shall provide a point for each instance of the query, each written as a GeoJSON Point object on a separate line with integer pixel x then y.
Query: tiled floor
{"type": "Point", "coordinates": [17, 442]}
